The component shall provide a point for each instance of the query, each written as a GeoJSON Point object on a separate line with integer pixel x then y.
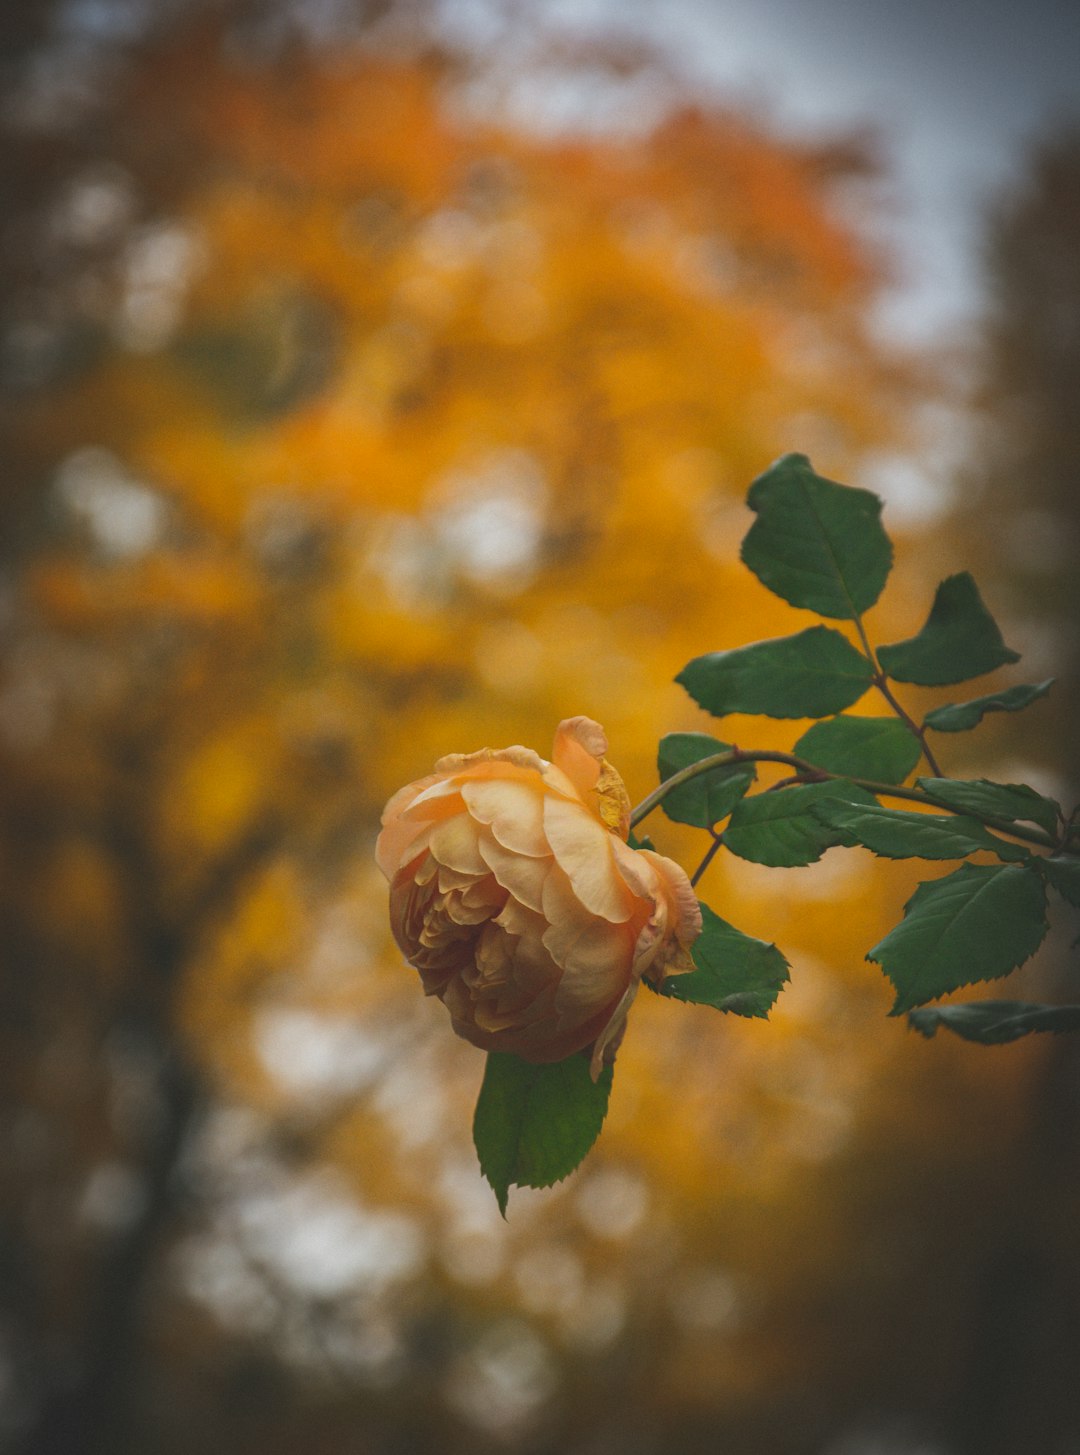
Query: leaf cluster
{"type": "Point", "coordinates": [821, 547]}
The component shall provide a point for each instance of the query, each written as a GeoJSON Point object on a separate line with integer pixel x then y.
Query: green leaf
{"type": "Point", "coordinates": [957, 717]}
{"type": "Point", "coordinates": [896, 834]}
{"type": "Point", "coordinates": [1010, 802]}
{"type": "Point", "coordinates": [644, 842]}
{"type": "Point", "coordinates": [995, 1022]}
{"type": "Point", "coordinates": [534, 1124]}
{"type": "Point", "coordinates": [1063, 872]}
{"type": "Point", "coordinates": [881, 748]}
{"type": "Point", "coordinates": [811, 674]}
{"type": "Point", "coordinates": [817, 544]}
{"type": "Point", "coordinates": [781, 828]}
{"type": "Point", "coordinates": [707, 799]}
{"type": "Point", "coordinates": [735, 972]}
{"type": "Point", "coordinates": [959, 640]}
{"type": "Point", "coordinates": [977, 923]}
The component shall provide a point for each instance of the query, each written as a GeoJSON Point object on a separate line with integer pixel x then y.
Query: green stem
{"type": "Point", "coordinates": [881, 682]}
{"type": "Point", "coordinates": [710, 854]}
{"type": "Point", "coordinates": [813, 772]}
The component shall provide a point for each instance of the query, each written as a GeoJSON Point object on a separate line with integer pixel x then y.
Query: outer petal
{"type": "Point", "coordinates": [513, 810]}
{"type": "Point", "coordinates": [599, 971]}
{"type": "Point", "coordinates": [580, 745]}
{"type": "Point", "coordinates": [518, 756]}
{"type": "Point", "coordinates": [683, 917]}
{"type": "Point", "coordinates": [582, 848]}
{"type": "Point", "coordinates": [398, 835]}
{"type": "Point", "coordinates": [610, 1038]}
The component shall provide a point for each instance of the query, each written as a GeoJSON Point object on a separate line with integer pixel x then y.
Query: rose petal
{"type": "Point", "coordinates": [514, 811]}
{"type": "Point", "coordinates": [439, 789]}
{"type": "Point", "coordinates": [560, 905]}
{"type": "Point", "coordinates": [462, 912]}
{"type": "Point", "coordinates": [517, 919]}
{"type": "Point", "coordinates": [399, 840]}
{"type": "Point", "coordinates": [522, 876]}
{"type": "Point", "coordinates": [607, 1042]}
{"type": "Point", "coordinates": [635, 869]}
{"type": "Point", "coordinates": [582, 847]}
{"type": "Point", "coordinates": [534, 971]}
{"type": "Point", "coordinates": [454, 844]}
{"type": "Point", "coordinates": [401, 800]}
{"type": "Point", "coordinates": [580, 745]}
{"type": "Point", "coordinates": [518, 756]}
{"type": "Point", "coordinates": [590, 951]}
{"type": "Point", "coordinates": [686, 911]}
{"type": "Point", "coordinates": [599, 968]}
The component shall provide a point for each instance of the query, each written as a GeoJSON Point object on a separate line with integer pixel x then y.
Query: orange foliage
{"type": "Point", "coordinates": [446, 441]}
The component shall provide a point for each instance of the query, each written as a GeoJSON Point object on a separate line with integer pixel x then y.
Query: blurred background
{"type": "Point", "coordinates": [384, 379]}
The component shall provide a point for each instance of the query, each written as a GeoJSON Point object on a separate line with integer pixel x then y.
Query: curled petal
{"type": "Point", "coordinates": [610, 1038]}
{"type": "Point", "coordinates": [399, 835]}
{"type": "Point", "coordinates": [523, 877]}
{"type": "Point", "coordinates": [454, 844]}
{"type": "Point", "coordinates": [683, 917]}
{"type": "Point", "coordinates": [680, 895]}
{"type": "Point", "coordinates": [580, 745]}
{"type": "Point", "coordinates": [513, 810]}
{"type": "Point", "coordinates": [520, 758]}
{"type": "Point", "coordinates": [582, 848]}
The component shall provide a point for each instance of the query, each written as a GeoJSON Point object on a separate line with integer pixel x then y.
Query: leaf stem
{"type": "Point", "coordinates": [811, 770]}
{"type": "Point", "coordinates": [881, 682]}
{"type": "Point", "coordinates": [710, 855]}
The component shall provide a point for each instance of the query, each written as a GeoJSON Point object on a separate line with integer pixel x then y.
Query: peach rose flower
{"type": "Point", "coordinates": [514, 893]}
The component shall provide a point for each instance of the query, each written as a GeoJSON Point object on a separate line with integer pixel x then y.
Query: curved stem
{"type": "Point", "coordinates": [881, 682]}
{"type": "Point", "coordinates": [813, 772]}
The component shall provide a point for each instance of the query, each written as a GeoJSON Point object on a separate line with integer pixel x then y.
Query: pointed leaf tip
{"type": "Point", "coordinates": [811, 674]}
{"type": "Point", "coordinates": [995, 1022]}
{"type": "Point", "coordinates": [534, 1124]}
{"type": "Point", "coordinates": [735, 972]}
{"type": "Point", "coordinates": [959, 717]}
{"type": "Point", "coordinates": [977, 923]}
{"type": "Point", "coordinates": [959, 640]}
{"type": "Point", "coordinates": [817, 544]}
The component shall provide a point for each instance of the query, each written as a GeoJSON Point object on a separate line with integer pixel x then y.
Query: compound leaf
{"type": "Point", "coordinates": [1063, 872]}
{"type": "Point", "coordinates": [1010, 802]}
{"type": "Point", "coordinates": [781, 828]}
{"type": "Point", "coordinates": [897, 834]}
